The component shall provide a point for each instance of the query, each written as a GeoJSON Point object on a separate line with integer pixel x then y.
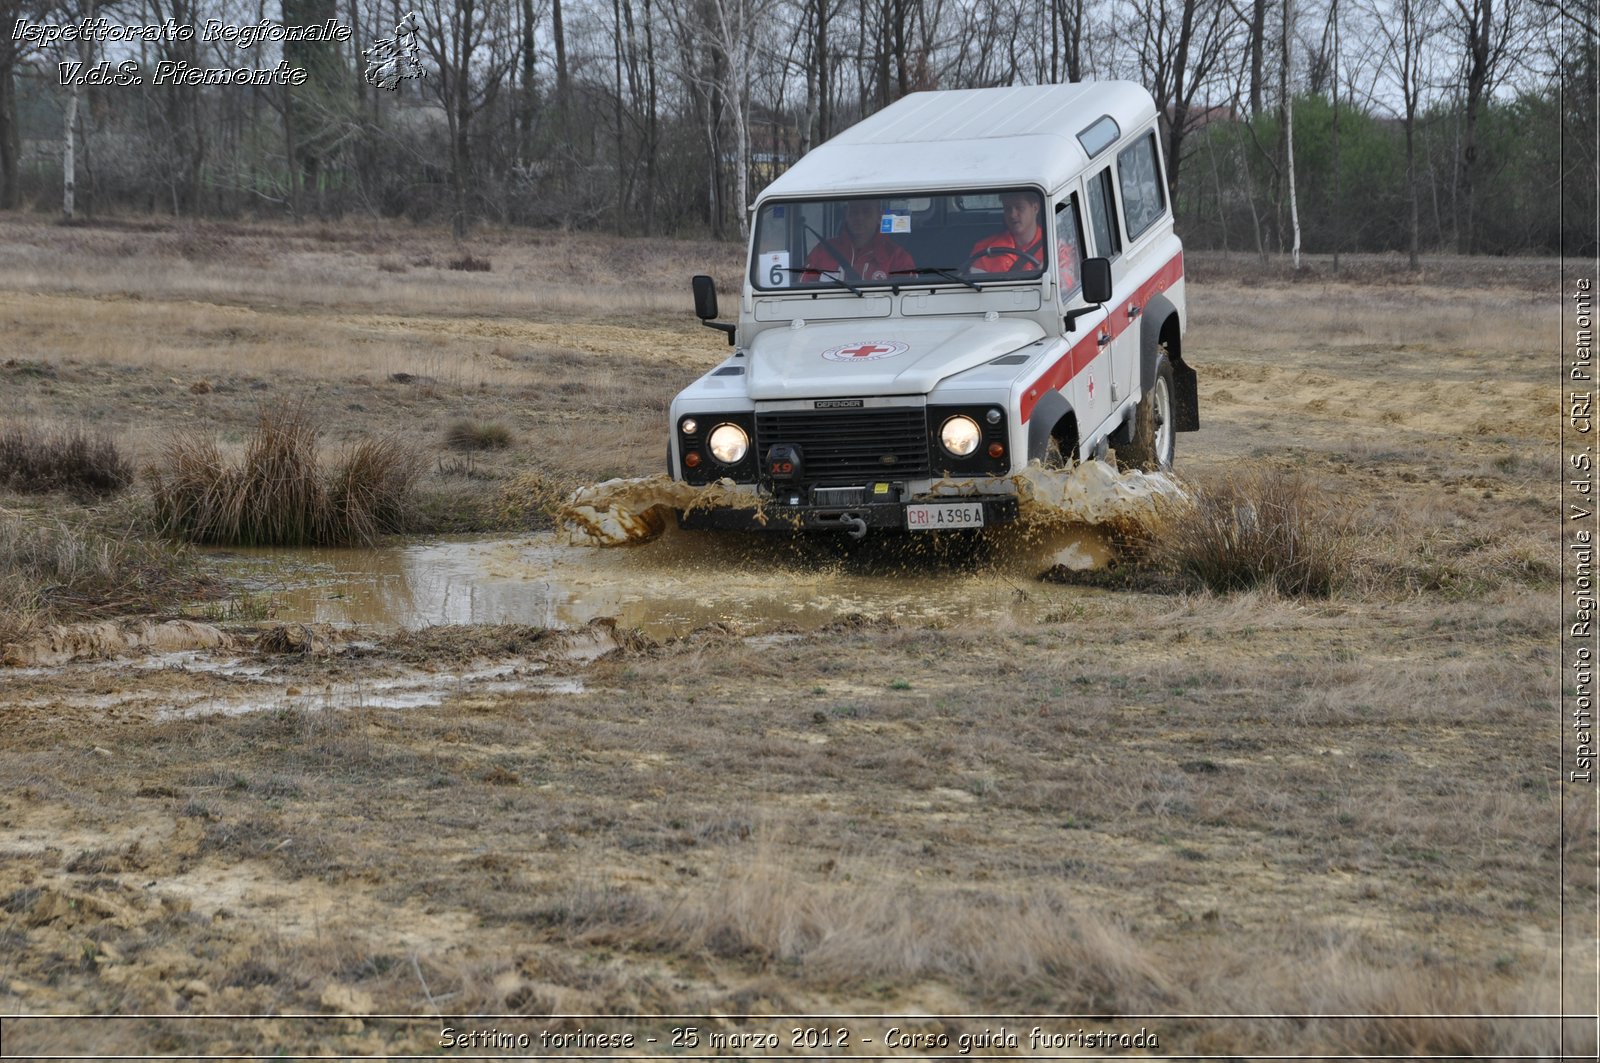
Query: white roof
{"type": "Point", "coordinates": [967, 138]}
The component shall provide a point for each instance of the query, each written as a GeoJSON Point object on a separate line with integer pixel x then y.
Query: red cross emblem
{"type": "Point", "coordinates": [865, 351]}
{"type": "Point", "coordinates": [1091, 386]}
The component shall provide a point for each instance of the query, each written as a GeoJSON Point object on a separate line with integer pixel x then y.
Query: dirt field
{"type": "Point", "coordinates": [1145, 809]}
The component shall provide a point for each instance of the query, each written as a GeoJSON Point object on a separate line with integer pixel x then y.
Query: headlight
{"type": "Point", "coordinates": [729, 444]}
{"type": "Point", "coordinates": [960, 435]}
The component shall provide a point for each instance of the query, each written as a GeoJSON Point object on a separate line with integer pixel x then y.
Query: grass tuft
{"type": "Point", "coordinates": [36, 462]}
{"type": "Point", "coordinates": [1268, 530]}
{"type": "Point", "coordinates": [478, 435]}
{"type": "Point", "coordinates": [467, 264]}
{"type": "Point", "coordinates": [280, 494]}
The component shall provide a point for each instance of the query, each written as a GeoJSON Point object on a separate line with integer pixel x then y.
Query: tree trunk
{"type": "Point", "coordinates": [652, 135]}
{"type": "Point", "coordinates": [559, 33]}
{"type": "Point", "coordinates": [525, 144]}
{"type": "Point", "coordinates": [1338, 182]}
{"type": "Point", "coordinates": [1411, 188]}
{"type": "Point", "coordinates": [69, 157]}
{"type": "Point", "coordinates": [1258, 36]}
{"type": "Point", "coordinates": [1479, 31]}
{"type": "Point", "coordinates": [1288, 126]}
{"type": "Point", "coordinates": [10, 137]}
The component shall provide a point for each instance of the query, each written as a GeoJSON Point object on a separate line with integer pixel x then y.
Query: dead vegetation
{"type": "Point", "coordinates": [54, 569]}
{"type": "Point", "coordinates": [280, 493]}
{"type": "Point", "coordinates": [37, 462]}
{"type": "Point", "coordinates": [478, 435]}
{"type": "Point", "coordinates": [1267, 529]}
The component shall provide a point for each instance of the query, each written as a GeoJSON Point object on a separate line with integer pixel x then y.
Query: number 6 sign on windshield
{"type": "Point", "coordinates": [775, 268]}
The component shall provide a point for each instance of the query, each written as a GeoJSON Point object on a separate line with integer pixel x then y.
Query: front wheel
{"type": "Point", "coordinates": [1153, 424]}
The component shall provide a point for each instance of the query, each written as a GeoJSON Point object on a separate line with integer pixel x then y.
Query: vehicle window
{"type": "Point", "coordinates": [1143, 198]}
{"type": "Point", "coordinates": [1099, 136]}
{"type": "Point", "coordinates": [856, 243]}
{"type": "Point", "coordinates": [1103, 216]}
{"type": "Point", "coordinates": [1069, 247]}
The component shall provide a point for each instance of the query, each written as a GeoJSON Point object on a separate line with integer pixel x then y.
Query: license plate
{"type": "Point", "coordinates": [935, 516]}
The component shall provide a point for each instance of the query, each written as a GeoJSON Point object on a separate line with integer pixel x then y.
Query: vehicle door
{"type": "Point", "coordinates": [1088, 390]}
{"type": "Point", "coordinates": [1141, 193]}
{"type": "Point", "coordinates": [1113, 377]}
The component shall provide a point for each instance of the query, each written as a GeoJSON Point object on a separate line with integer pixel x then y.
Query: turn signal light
{"type": "Point", "coordinates": [692, 459]}
{"type": "Point", "coordinates": [997, 450]}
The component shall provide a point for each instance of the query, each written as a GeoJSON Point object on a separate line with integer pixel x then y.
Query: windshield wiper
{"type": "Point", "coordinates": [822, 270]}
{"type": "Point", "coordinates": [947, 272]}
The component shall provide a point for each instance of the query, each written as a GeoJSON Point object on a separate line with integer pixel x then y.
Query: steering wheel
{"type": "Point", "coordinates": [1017, 252]}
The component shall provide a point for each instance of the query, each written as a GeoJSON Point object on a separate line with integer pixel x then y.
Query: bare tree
{"type": "Point", "coordinates": [1067, 25]}
{"type": "Point", "coordinates": [1404, 30]}
{"type": "Point", "coordinates": [465, 40]}
{"type": "Point", "coordinates": [16, 48]}
{"type": "Point", "coordinates": [728, 32]}
{"type": "Point", "coordinates": [1490, 39]}
{"type": "Point", "coordinates": [1179, 46]}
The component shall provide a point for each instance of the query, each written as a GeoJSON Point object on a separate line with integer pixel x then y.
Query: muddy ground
{"type": "Point", "coordinates": [1119, 803]}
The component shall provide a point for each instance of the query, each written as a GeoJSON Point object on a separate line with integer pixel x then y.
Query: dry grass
{"type": "Point", "coordinates": [57, 570]}
{"type": "Point", "coordinates": [36, 462]}
{"type": "Point", "coordinates": [280, 494]}
{"type": "Point", "coordinates": [1265, 529]}
{"type": "Point", "coordinates": [877, 925]}
{"type": "Point", "coordinates": [478, 435]}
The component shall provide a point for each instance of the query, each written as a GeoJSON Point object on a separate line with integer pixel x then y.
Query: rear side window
{"type": "Point", "coordinates": [1103, 215]}
{"type": "Point", "coordinates": [1143, 198]}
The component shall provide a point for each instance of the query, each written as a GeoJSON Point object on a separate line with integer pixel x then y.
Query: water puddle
{"type": "Point", "coordinates": [170, 686]}
{"type": "Point", "coordinates": [672, 581]}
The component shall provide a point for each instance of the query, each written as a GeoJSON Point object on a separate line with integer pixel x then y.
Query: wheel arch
{"type": "Point", "coordinates": [1162, 329]}
{"type": "Point", "coordinates": [1054, 416]}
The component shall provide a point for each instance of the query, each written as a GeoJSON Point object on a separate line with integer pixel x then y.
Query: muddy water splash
{"type": "Point", "coordinates": [624, 512]}
{"type": "Point", "coordinates": [755, 581]}
{"type": "Point", "coordinates": [1079, 506]}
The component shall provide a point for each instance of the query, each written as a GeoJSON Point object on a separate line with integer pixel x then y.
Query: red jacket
{"type": "Point", "coordinates": [1000, 262]}
{"type": "Point", "coordinates": [875, 262]}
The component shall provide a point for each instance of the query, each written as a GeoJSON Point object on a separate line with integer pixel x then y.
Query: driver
{"type": "Point", "coordinates": [859, 250]}
{"type": "Point", "coordinates": [1022, 233]}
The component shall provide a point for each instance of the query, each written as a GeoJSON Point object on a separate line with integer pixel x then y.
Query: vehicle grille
{"type": "Point", "coordinates": [851, 446]}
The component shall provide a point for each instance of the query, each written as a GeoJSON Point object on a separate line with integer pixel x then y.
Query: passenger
{"type": "Point", "coordinates": [867, 254]}
{"type": "Point", "coordinates": [1022, 234]}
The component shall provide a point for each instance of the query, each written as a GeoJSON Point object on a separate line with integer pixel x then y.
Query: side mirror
{"type": "Point", "coordinates": [1096, 281]}
{"type": "Point", "coordinates": [1096, 290]}
{"type": "Point", "coordinates": [705, 297]}
{"type": "Point", "coordinates": [705, 306]}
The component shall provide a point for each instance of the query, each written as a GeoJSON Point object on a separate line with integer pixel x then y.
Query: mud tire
{"type": "Point", "coordinates": [1059, 453]}
{"type": "Point", "coordinates": [1154, 425]}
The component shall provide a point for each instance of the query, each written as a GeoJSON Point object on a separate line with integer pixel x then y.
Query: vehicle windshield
{"type": "Point", "coordinates": [855, 243]}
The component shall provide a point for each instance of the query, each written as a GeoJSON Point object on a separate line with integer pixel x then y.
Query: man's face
{"type": "Point", "coordinates": [862, 217]}
{"type": "Point", "coordinates": [1022, 215]}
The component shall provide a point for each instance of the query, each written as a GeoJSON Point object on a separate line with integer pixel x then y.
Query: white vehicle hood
{"type": "Point", "coordinates": [877, 357]}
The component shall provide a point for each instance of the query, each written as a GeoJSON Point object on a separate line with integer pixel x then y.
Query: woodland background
{"type": "Point", "coordinates": [1464, 126]}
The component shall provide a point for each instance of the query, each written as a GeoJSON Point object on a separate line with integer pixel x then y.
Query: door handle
{"type": "Point", "coordinates": [1103, 339]}
{"type": "Point", "coordinates": [1134, 310]}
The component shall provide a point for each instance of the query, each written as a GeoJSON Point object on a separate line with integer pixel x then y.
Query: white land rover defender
{"type": "Point", "coordinates": [961, 284]}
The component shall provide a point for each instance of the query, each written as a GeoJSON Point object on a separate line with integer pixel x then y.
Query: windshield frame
{"type": "Point", "coordinates": [943, 260]}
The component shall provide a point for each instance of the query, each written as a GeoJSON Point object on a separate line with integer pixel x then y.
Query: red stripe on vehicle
{"type": "Point", "coordinates": [1081, 353]}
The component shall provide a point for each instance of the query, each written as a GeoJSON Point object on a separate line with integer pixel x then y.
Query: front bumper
{"type": "Point", "coordinates": [777, 516]}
